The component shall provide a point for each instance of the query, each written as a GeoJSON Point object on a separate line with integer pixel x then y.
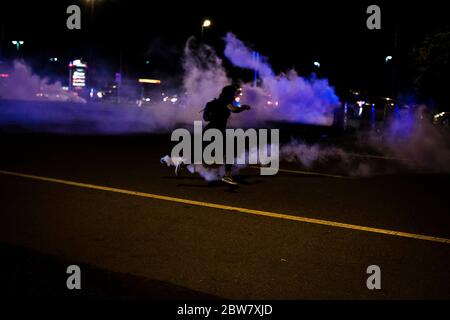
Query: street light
{"type": "Point", "coordinates": [206, 24]}
{"type": "Point", "coordinates": [91, 4]}
{"type": "Point", "coordinates": [17, 44]}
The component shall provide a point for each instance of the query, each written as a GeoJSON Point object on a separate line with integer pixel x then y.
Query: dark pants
{"type": "Point", "coordinates": [228, 167]}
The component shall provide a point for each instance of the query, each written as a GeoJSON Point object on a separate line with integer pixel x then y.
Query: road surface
{"type": "Point", "coordinates": [108, 205]}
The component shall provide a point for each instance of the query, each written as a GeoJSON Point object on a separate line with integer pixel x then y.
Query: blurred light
{"type": "Point", "coordinates": [206, 23]}
{"type": "Point", "coordinates": [360, 103]}
{"type": "Point", "coordinates": [17, 43]}
{"type": "Point", "coordinates": [317, 64]}
{"type": "Point", "coordinates": [173, 100]}
{"type": "Point", "coordinates": [388, 58]}
{"type": "Point", "coordinates": [99, 95]}
{"type": "Point", "coordinates": [4, 75]}
{"type": "Point", "coordinates": [149, 81]}
{"type": "Point", "coordinates": [78, 63]}
{"type": "Point", "coordinates": [78, 76]}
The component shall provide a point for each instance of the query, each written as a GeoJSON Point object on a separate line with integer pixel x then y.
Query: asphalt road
{"type": "Point", "coordinates": [141, 246]}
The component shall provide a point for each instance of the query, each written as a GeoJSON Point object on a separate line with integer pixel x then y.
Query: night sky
{"type": "Point", "coordinates": [290, 33]}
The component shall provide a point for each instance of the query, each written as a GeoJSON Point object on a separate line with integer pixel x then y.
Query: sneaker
{"type": "Point", "coordinates": [229, 180]}
{"type": "Point", "coordinates": [165, 160]}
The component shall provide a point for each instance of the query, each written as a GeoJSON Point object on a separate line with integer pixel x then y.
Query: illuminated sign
{"type": "Point", "coordinates": [77, 74]}
{"type": "Point", "coordinates": [77, 63]}
{"type": "Point", "coordinates": [149, 81]}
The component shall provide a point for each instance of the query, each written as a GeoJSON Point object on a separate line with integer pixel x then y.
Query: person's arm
{"type": "Point", "coordinates": [237, 109]}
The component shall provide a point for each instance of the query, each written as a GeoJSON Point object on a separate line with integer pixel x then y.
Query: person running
{"type": "Point", "coordinates": [217, 112]}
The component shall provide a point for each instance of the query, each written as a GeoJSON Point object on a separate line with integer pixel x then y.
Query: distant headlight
{"type": "Point", "coordinates": [437, 116]}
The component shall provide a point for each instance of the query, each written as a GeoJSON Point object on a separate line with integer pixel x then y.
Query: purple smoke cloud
{"type": "Point", "coordinates": [286, 96]}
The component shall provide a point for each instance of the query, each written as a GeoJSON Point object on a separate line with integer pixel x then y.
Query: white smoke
{"type": "Point", "coordinates": [297, 99]}
{"type": "Point", "coordinates": [286, 96]}
{"type": "Point", "coordinates": [417, 143]}
{"type": "Point", "coordinates": [409, 143]}
{"type": "Point", "coordinates": [22, 84]}
{"type": "Point", "coordinates": [414, 141]}
{"type": "Point", "coordinates": [209, 173]}
{"type": "Point", "coordinates": [204, 77]}
{"type": "Point", "coordinates": [338, 159]}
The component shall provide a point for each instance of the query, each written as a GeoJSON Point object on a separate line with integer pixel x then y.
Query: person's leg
{"type": "Point", "coordinates": [228, 169]}
{"type": "Point", "coordinates": [227, 178]}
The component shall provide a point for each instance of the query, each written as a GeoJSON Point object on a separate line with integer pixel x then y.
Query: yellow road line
{"type": "Point", "coordinates": [309, 173]}
{"type": "Point", "coordinates": [231, 208]}
{"type": "Point", "coordinates": [371, 156]}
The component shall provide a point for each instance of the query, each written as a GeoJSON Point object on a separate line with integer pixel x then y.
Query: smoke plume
{"type": "Point", "coordinates": [22, 84]}
{"type": "Point", "coordinates": [287, 96]}
{"type": "Point", "coordinates": [410, 140]}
